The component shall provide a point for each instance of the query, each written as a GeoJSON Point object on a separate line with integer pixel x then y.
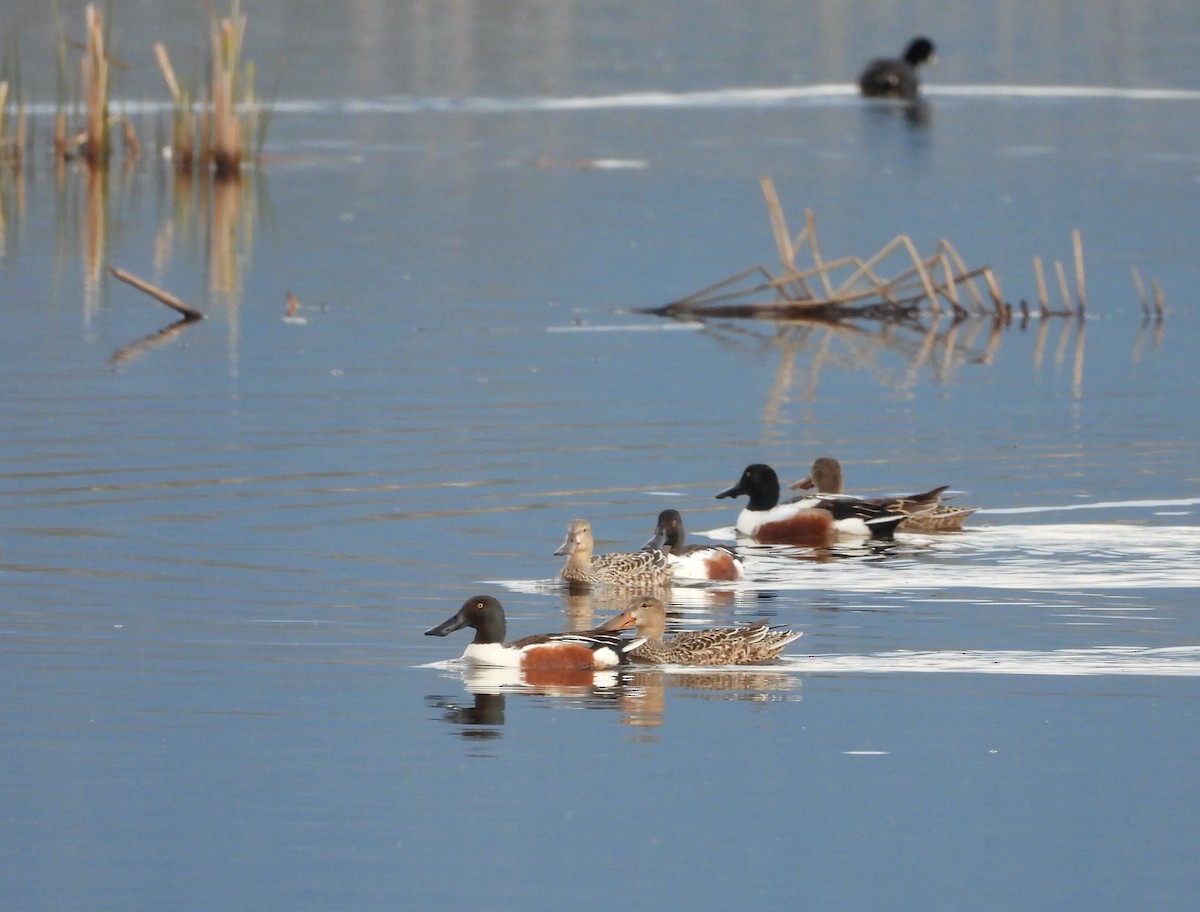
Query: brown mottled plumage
{"type": "Point", "coordinates": [749, 645]}
{"type": "Point", "coordinates": [921, 515]}
{"type": "Point", "coordinates": [635, 568]}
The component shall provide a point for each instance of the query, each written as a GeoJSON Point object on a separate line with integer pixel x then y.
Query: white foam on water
{"type": "Point", "coordinates": [1178, 661]}
{"type": "Point", "coordinates": [733, 97]}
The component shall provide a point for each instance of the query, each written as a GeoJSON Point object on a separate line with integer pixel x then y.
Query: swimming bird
{"type": "Point", "coordinates": [750, 645]}
{"type": "Point", "coordinates": [565, 651]}
{"type": "Point", "coordinates": [921, 515]}
{"type": "Point", "coordinates": [810, 521]}
{"type": "Point", "coordinates": [692, 562]}
{"type": "Point", "coordinates": [637, 568]}
{"type": "Point", "coordinates": [891, 77]}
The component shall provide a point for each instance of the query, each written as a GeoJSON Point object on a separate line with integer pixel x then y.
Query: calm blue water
{"type": "Point", "coordinates": [221, 549]}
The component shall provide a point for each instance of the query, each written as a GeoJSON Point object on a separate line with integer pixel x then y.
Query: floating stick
{"type": "Point", "coordinates": [158, 294]}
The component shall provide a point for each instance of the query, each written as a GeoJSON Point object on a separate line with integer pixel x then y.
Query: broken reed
{"type": "Point", "coordinates": [221, 131]}
{"type": "Point", "coordinates": [810, 291]}
{"type": "Point", "coordinates": [91, 143]}
{"type": "Point", "coordinates": [94, 83]}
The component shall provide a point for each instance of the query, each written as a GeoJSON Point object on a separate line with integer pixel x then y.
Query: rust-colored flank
{"type": "Point", "coordinates": [811, 528]}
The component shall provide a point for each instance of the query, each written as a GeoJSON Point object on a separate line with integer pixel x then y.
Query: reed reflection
{"type": "Point", "coordinates": [12, 205]}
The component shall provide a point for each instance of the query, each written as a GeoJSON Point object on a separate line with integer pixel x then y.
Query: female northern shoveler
{"type": "Point", "coordinates": [565, 651]}
{"type": "Point", "coordinates": [637, 568]}
{"type": "Point", "coordinates": [691, 562]}
{"type": "Point", "coordinates": [750, 645]}
{"type": "Point", "coordinates": [920, 514]}
{"type": "Point", "coordinates": [891, 77]}
{"type": "Point", "coordinates": [812, 521]}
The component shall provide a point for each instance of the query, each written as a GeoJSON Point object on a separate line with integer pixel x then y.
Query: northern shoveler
{"type": "Point", "coordinates": [692, 562]}
{"type": "Point", "coordinates": [812, 521]}
{"type": "Point", "coordinates": [562, 651]}
{"type": "Point", "coordinates": [750, 645]}
{"type": "Point", "coordinates": [636, 568]}
{"type": "Point", "coordinates": [921, 515]}
{"type": "Point", "coordinates": [892, 77]}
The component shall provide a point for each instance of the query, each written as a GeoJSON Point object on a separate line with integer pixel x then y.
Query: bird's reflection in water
{"type": "Point", "coordinates": [489, 687]}
{"type": "Point", "coordinates": [643, 701]}
{"type": "Point", "coordinates": [637, 694]}
{"type": "Point", "coordinates": [486, 710]}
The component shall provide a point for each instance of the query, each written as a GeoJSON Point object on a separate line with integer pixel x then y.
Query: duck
{"type": "Point", "coordinates": [692, 562]}
{"type": "Point", "coordinates": [647, 569]}
{"type": "Point", "coordinates": [892, 77]}
{"type": "Point", "coordinates": [920, 515]}
{"type": "Point", "coordinates": [752, 644]}
{"type": "Point", "coordinates": [809, 521]}
{"type": "Point", "coordinates": [544, 651]}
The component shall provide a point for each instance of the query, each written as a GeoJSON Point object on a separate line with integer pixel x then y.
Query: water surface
{"type": "Point", "coordinates": [222, 546]}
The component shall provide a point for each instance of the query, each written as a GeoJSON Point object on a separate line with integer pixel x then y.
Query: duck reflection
{"type": "Point", "coordinates": [586, 610]}
{"type": "Point", "coordinates": [487, 709]}
{"type": "Point", "coordinates": [488, 688]}
{"type": "Point", "coordinates": [637, 694]}
{"type": "Point", "coordinates": [643, 700]}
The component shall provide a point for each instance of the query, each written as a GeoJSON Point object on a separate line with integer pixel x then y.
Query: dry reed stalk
{"type": "Point", "coordinates": [919, 264]}
{"type": "Point", "coordinates": [966, 276]}
{"type": "Point", "coordinates": [951, 286]}
{"type": "Point", "coordinates": [1062, 286]}
{"type": "Point", "coordinates": [1141, 290]}
{"type": "Point", "coordinates": [168, 72]}
{"type": "Point", "coordinates": [158, 294]}
{"type": "Point", "coordinates": [227, 147]}
{"type": "Point", "coordinates": [810, 229]}
{"type": "Point", "coordinates": [183, 121]}
{"type": "Point", "coordinates": [4, 152]}
{"type": "Point", "coordinates": [783, 241]}
{"type": "Point", "coordinates": [94, 68]}
{"type": "Point", "coordinates": [1040, 278]}
{"type": "Point", "coordinates": [866, 269]}
{"type": "Point", "coordinates": [704, 294]}
{"type": "Point", "coordinates": [1077, 243]}
{"type": "Point", "coordinates": [801, 277]}
{"type": "Point", "coordinates": [994, 290]}
{"type": "Point", "coordinates": [901, 284]}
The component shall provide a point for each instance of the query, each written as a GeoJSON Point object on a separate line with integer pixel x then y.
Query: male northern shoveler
{"type": "Point", "coordinates": [921, 515]}
{"type": "Point", "coordinates": [638, 568]}
{"type": "Point", "coordinates": [563, 651]}
{"type": "Point", "coordinates": [892, 77]}
{"type": "Point", "coordinates": [750, 645]}
{"type": "Point", "coordinates": [811, 521]}
{"type": "Point", "coordinates": [691, 562]}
